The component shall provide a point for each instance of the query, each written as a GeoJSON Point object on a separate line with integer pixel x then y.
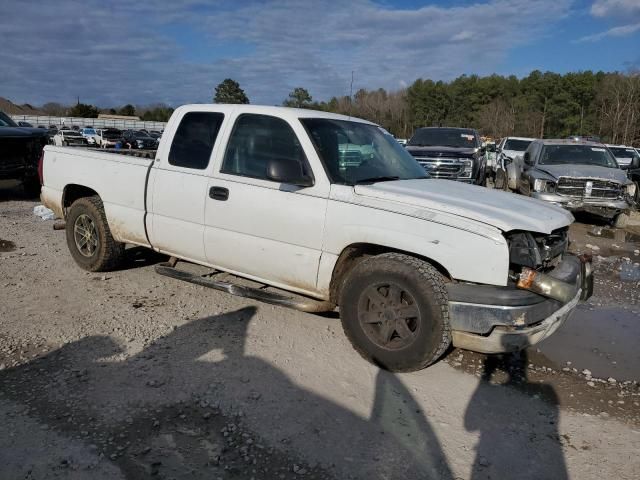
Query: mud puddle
{"type": "Point", "coordinates": [7, 246]}
{"type": "Point", "coordinates": [603, 341]}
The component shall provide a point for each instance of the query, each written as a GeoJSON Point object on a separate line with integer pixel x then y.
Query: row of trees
{"type": "Point", "coordinates": [539, 105]}
{"type": "Point", "coordinates": [157, 112]}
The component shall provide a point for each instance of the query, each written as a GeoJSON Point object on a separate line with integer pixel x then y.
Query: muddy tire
{"type": "Point", "coordinates": [621, 220]}
{"type": "Point", "coordinates": [88, 236]}
{"type": "Point", "coordinates": [501, 183]}
{"type": "Point", "coordinates": [394, 310]}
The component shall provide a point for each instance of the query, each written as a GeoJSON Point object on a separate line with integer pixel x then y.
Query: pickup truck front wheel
{"type": "Point", "coordinates": [394, 310]}
{"type": "Point", "coordinates": [88, 236]}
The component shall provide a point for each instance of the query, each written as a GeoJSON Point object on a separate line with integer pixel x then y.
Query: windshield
{"type": "Point", "coordinates": [111, 133]}
{"type": "Point", "coordinates": [89, 131]}
{"type": "Point", "coordinates": [140, 135]}
{"type": "Point", "coordinates": [577, 155]}
{"type": "Point", "coordinates": [355, 152]}
{"type": "Point", "coordinates": [443, 137]}
{"type": "Point", "coordinates": [516, 145]}
{"type": "Point", "coordinates": [623, 152]}
{"type": "Point", "coordinates": [5, 121]}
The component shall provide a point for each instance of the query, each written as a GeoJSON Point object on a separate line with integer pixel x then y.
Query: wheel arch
{"type": "Point", "coordinates": [73, 192]}
{"type": "Point", "coordinates": [354, 253]}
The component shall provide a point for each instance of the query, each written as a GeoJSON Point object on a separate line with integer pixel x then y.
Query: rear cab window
{"type": "Point", "coordinates": [194, 140]}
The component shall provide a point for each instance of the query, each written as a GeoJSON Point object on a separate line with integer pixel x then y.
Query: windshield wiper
{"type": "Point", "coordinates": [377, 179]}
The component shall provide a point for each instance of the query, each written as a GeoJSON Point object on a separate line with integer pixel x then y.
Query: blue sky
{"type": "Point", "coordinates": [114, 52]}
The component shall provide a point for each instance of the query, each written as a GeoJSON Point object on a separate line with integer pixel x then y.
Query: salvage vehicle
{"type": "Point", "coordinates": [450, 153]}
{"type": "Point", "coordinates": [69, 138]}
{"type": "Point", "coordinates": [20, 149]}
{"type": "Point", "coordinates": [627, 157]}
{"type": "Point", "coordinates": [90, 134]}
{"type": "Point", "coordinates": [109, 137]}
{"type": "Point", "coordinates": [414, 264]}
{"type": "Point", "coordinates": [139, 139]}
{"type": "Point", "coordinates": [508, 149]}
{"type": "Point", "coordinates": [578, 176]}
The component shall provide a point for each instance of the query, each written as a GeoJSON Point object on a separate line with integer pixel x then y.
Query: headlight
{"type": "Point", "coordinates": [631, 190]}
{"type": "Point", "coordinates": [467, 171]}
{"type": "Point", "coordinates": [540, 185]}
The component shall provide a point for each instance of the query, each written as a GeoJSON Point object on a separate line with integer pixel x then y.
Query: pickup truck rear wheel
{"type": "Point", "coordinates": [88, 236]}
{"type": "Point", "coordinates": [394, 311]}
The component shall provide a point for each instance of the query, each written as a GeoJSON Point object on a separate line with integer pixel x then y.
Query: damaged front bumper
{"type": "Point", "coordinates": [597, 206]}
{"type": "Point", "coordinates": [491, 319]}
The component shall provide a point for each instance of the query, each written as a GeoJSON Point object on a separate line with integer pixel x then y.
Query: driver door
{"type": "Point", "coordinates": [257, 227]}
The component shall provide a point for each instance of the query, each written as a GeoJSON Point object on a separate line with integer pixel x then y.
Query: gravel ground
{"type": "Point", "coordinates": [133, 375]}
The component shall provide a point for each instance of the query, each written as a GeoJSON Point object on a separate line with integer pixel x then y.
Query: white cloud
{"type": "Point", "coordinates": [621, 31]}
{"type": "Point", "coordinates": [615, 8]}
{"type": "Point", "coordinates": [120, 51]}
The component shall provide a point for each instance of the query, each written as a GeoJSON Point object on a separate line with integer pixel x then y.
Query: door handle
{"type": "Point", "coordinates": [219, 193]}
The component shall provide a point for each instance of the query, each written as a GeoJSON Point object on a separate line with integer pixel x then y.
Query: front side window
{"type": "Point", "coordinates": [356, 152]}
{"type": "Point", "coordinates": [577, 155]}
{"type": "Point", "coordinates": [258, 139]}
{"type": "Point", "coordinates": [194, 139]}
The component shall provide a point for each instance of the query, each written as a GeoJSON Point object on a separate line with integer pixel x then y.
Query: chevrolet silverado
{"type": "Point", "coordinates": [326, 211]}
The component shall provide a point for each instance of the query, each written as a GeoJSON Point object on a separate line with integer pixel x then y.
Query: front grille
{"type": "Point", "coordinates": [585, 187]}
{"type": "Point", "coordinates": [447, 168]}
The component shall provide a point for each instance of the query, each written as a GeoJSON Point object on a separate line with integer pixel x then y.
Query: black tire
{"type": "Point", "coordinates": [106, 253]}
{"type": "Point", "coordinates": [31, 186]}
{"type": "Point", "coordinates": [502, 182]}
{"type": "Point", "coordinates": [421, 306]}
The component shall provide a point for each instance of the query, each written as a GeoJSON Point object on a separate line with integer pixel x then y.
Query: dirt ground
{"type": "Point", "coordinates": [133, 375]}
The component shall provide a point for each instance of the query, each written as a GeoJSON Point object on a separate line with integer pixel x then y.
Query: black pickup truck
{"type": "Point", "coordinates": [20, 150]}
{"type": "Point", "coordinates": [450, 153]}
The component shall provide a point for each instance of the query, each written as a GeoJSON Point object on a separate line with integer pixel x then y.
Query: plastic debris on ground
{"type": "Point", "coordinates": [43, 212]}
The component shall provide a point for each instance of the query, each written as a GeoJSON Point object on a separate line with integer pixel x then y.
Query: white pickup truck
{"type": "Point", "coordinates": [333, 209]}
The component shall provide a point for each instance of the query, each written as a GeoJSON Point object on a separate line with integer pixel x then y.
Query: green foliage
{"type": "Point", "coordinates": [542, 104]}
{"type": "Point", "coordinates": [128, 110]}
{"type": "Point", "coordinates": [229, 91]}
{"type": "Point", "coordinates": [157, 113]}
{"type": "Point", "coordinates": [298, 98]}
{"type": "Point", "coordinates": [83, 110]}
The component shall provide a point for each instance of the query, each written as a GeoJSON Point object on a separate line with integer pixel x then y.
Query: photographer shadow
{"type": "Point", "coordinates": [93, 382]}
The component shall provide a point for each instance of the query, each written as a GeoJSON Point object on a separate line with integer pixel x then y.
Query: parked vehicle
{"type": "Point", "coordinates": [22, 123]}
{"type": "Point", "coordinates": [415, 264]}
{"type": "Point", "coordinates": [491, 156]}
{"type": "Point", "coordinates": [139, 139]}
{"type": "Point", "coordinates": [450, 153]}
{"type": "Point", "coordinates": [69, 138]}
{"type": "Point", "coordinates": [625, 156]}
{"type": "Point", "coordinates": [577, 175]}
{"type": "Point", "coordinates": [155, 134]}
{"type": "Point", "coordinates": [109, 137]}
{"type": "Point", "coordinates": [509, 148]}
{"type": "Point", "coordinates": [20, 149]}
{"type": "Point", "coordinates": [90, 134]}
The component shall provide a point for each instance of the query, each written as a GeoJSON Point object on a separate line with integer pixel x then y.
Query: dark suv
{"type": "Point", "coordinates": [450, 153]}
{"type": "Point", "coordinates": [20, 150]}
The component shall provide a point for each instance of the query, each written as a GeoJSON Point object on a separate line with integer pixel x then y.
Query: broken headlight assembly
{"type": "Point", "coordinates": [540, 185]}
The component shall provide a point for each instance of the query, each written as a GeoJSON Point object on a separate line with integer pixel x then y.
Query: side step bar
{"type": "Point", "coordinates": [304, 304]}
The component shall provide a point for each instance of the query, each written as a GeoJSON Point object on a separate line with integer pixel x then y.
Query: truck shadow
{"type": "Point", "coordinates": [137, 257]}
{"type": "Point", "coordinates": [517, 422]}
{"type": "Point", "coordinates": [164, 412]}
{"type": "Point", "coordinates": [12, 190]}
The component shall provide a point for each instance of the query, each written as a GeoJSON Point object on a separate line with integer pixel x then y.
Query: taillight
{"type": "Point", "coordinates": [41, 168]}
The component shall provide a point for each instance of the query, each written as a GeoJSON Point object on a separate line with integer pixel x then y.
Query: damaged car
{"type": "Point", "coordinates": [580, 176]}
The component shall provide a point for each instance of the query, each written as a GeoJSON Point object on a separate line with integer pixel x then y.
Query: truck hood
{"type": "Point", "coordinates": [499, 209]}
{"type": "Point", "coordinates": [436, 151]}
{"type": "Point", "coordinates": [584, 171]}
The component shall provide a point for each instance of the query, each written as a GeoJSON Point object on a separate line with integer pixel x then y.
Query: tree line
{"type": "Point", "coordinates": [544, 105]}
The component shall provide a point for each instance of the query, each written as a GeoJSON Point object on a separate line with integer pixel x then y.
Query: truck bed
{"type": "Point", "coordinates": [119, 179]}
